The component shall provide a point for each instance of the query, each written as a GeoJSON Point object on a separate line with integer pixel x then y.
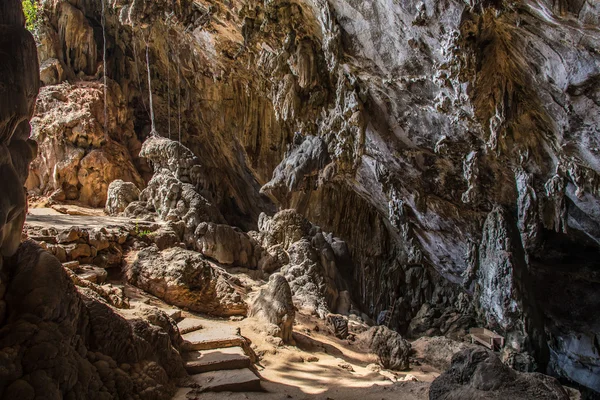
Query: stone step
{"type": "Point", "coordinates": [174, 313]}
{"type": "Point", "coordinates": [213, 335]}
{"type": "Point", "coordinates": [187, 325]}
{"type": "Point", "coordinates": [218, 359]}
{"type": "Point", "coordinates": [210, 339]}
{"type": "Point", "coordinates": [235, 380]}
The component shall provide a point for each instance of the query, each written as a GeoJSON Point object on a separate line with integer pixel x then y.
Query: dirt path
{"type": "Point", "coordinates": [318, 366]}
{"type": "Point", "coordinates": [50, 218]}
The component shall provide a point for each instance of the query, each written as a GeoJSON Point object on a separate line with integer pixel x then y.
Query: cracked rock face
{"type": "Point", "coordinates": [58, 340]}
{"type": "Point", "coordinates": [78, 156]}
{"type": "Point", "coordinates": [477, 373]}
{"type": "Point", "coordinates": [185, 279]}
{"type": "Point", "coordinates": [273, 306]}
{"type": "Point", "coordinates": [400, 127]}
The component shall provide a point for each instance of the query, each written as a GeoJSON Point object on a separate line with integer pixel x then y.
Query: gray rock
{"type": "Point", "coordinates": [437, 351]}
{"type": "Point", "coordinates": [479, 374]}
{"type": "Point", "coordinates": [273, 306]}
{"type": "Point", "coordinates": [339, 323]}
{"type": "Point", "coordinates": [227, 245]}
{"type": "Point", "coordinates": [171, 155]}
{"type": "Point", "coordinates": [120, 194]}
{"type": "Point", "coordinates": [304, 160]}
{"type": "Point", "coordinates": [174, 200]}
{"type": "Point", "coordinates": [393, 351]}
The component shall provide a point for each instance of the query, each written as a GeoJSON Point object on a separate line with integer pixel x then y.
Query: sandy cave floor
{"type": "Point", "coordinates": [318, 366]}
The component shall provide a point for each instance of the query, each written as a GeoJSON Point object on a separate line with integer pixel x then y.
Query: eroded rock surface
{"type": "Point", "coordinates": [437, 351]}
{"type": "Point", "coordinates": [81, 151]}
{"type": "Point", "coordinates": [273, 306]}
{"type": "Point", "coordinates": [310, 268]}
{"type": "Point", "coordinates": [393, 351]}
{"type": "Point", "coordinates": [479, 374]}
{"type": "Point", "coordinates": [119, 195]}
{"type": "Point", "coordinates": [186, 279]}
{"type": "Point", "coordinates": [62, 342]}
{"type": "Point", "coordinates": [400, 127]}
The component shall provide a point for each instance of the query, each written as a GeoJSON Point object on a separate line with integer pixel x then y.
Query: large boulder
{"type": "Point", "coordinates": [273, 306]}
{"type": "Point", "coordinates": [227, 245]}
{"type": "Point", "coordinates": [186, 279]}
{"type": "Point", "coordinates": [393, 351]}
{"type": "Point", "coordinates": [437, 351]}
{"type": "Point", "coordinates": [479, 374]}
{"type": "Point", "coordinates": [120, 195]}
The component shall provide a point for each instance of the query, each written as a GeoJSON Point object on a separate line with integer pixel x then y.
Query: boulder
{"type": "Point", "coordinates": [226, 244]}
{"type": "Point", "coordinates": [393, 351]}
{"type": "Point", "coordinates": [273, 306]}
{"type": "Point", "coordinates": [339, 324]}
{"type": "Point", "coordinates": [477, 373]}
{"type": "Point", "coordinates": [92, 273]}
{"type": "Point", "coordinates": [437, 351]}
{"type": "Point", "coordinates": [186, 279]}
{"type": "Point", "coordinates": [120, 194]}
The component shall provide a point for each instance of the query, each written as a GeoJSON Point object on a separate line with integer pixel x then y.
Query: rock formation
{"type": "Point", "coordinates": [119, 195]}
{"type": "Point", "coordinates": [392, 349]}
{"type": "Point", "coordinates": [58, 340]}
{"type": "Point", "coordinates": [445, 144]}
{"type": "Point", "coordinates": [310, 262]}
{"type": "Point", "coordinates": [479, 374]}
{"type": "Point", "coordinates": [80, 153]}
{"type": "Point", "coordinates": [273, 306]}
{"type": "Point", "coordinates": [185, 279]}
{"type": "Point", "coordinates": [437, 351]}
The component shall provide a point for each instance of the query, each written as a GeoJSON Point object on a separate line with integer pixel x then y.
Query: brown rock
{"type": "Point", "coordinates": [392, 349]}
{"type": "Point", "coordinates": [71, 235]}
{"type": "Point", "coordinates": [185, 279]}
{"type": "Point", "coordinates": [78, 250]}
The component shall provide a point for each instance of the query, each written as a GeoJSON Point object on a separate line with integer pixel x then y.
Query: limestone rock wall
{"type": "Point", "coordinates": [80, 155]}
{"type": "Point", "coordinates": [58, 340]}
{"type": "Point", "coordinates": [398, 126]}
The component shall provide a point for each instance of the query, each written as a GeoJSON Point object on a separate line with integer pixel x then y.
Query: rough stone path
{"type": "Point", "coordinates": [47, 217]}
{"type": "Point", "coordinates": [215, 358]}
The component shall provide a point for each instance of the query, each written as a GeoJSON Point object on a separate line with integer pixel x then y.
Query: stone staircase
{"type": "Point", "coordinates": [215, 357]}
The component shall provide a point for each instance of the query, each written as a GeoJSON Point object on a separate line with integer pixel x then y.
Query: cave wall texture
{"type": "Point", "coordinates": [454, 145]}
{"type": "Point", "coordinates": [59, 341]}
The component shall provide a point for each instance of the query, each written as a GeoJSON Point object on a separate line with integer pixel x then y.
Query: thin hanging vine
{"type": "Point", "coordinates": [153, 131]}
